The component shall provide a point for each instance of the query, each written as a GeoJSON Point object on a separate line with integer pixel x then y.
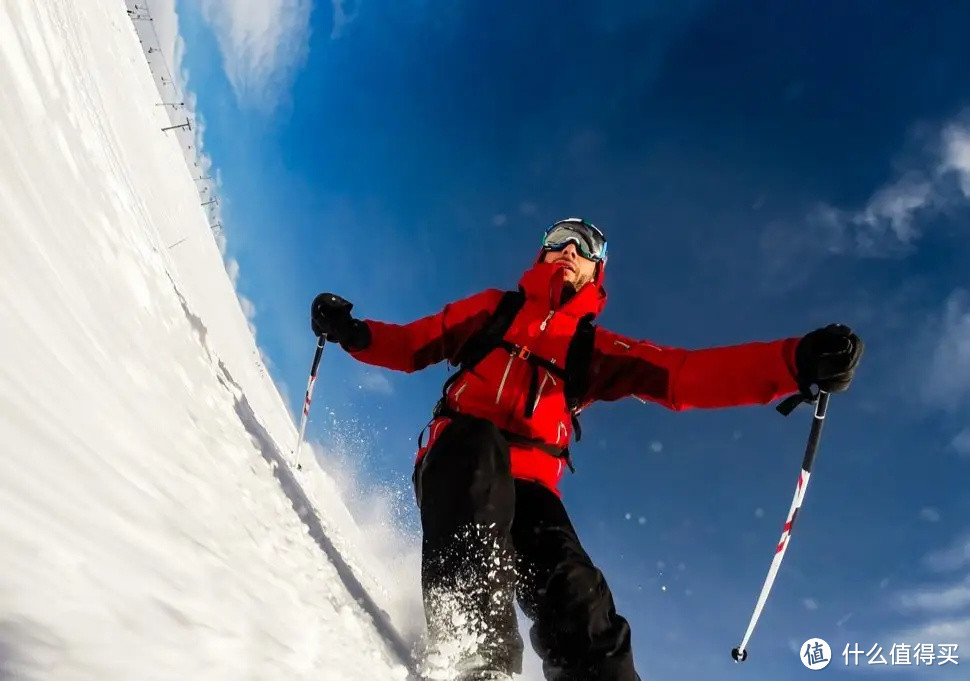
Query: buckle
{"type": "Point", "coordinates": [523, 353]}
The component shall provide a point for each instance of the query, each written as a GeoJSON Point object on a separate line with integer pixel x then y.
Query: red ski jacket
{"type": "Point", "coordinates": [751, 373]}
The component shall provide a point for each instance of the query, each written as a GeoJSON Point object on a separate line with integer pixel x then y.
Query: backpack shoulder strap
{"type": "Point", "coordinates": [492, 331]}
{"type": "Point", "coordinates": [483, 341]}
{"type": "Point", "coordinates": [578, 358]}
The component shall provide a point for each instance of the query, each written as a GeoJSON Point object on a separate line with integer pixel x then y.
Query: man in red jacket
{"type": "Point", "coordinates": [494, 526]}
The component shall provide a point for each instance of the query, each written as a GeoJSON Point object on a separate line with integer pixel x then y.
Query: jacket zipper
{"type": "Point", "coordinates": [458, 393]}
{"type": "Point", "coordinates": [501, 385]}
{"type": "Point", "coordinates": [546, 377]}
{"type": "Point", "coordinates": [559, 432]}
{"type": "Point", "coordinates": [508, 367]}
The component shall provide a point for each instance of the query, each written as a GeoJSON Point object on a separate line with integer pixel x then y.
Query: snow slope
{"type": "Point", "coordinates": [146, 531]}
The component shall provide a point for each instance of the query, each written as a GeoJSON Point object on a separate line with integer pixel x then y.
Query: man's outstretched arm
{"type": "Point", "coordinates": [734, 375]}
{"type": "Point", "coordinates": [412, 346]}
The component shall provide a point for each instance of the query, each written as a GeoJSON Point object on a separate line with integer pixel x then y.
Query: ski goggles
{"type": "Point", "coordinates": [589, 240]}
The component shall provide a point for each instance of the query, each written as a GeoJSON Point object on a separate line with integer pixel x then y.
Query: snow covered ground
{"type": "Point", "coordinates": [145, 530]}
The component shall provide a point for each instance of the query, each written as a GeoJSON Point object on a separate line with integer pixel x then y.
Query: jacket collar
{"type": "Point", "coordinates": [543, 284]}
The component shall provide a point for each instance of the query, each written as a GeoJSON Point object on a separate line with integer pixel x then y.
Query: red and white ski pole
{"type": "Point", "coordinates": [740, 654]}
{"type": "Point", "coordinates": [306, 400]}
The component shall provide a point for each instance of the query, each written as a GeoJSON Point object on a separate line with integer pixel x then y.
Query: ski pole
{"type": "Point", "coordinates": [306, 400]}
{"type": "Point", "coordinates": [740, 654]}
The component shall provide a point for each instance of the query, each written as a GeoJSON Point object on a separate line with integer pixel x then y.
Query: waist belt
{"type": "Point", "coordinates": [442, 410]}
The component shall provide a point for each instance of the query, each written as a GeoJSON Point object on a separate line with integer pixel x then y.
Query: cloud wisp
{"type": "Point", "coordinates": [375, 382]}
{"type": "Point", "coordinates": [947, 378]}
{"type": "Point", "coordinates": [939, 612]}
{"type": "Point", "coordinates": [943, 599]}
{"type": "Point", "coordinates": [892, 220]}
{"type": "Point", "coordinates": [954, 557]}
{"type": "Point", "coordinates": [961, 443]}
{"type": "Point", "coordinates": [263, 43]}
{"type": "Point", "coordinates": [344, 11]}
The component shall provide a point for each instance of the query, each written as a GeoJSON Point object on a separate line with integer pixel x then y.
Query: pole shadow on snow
{"type": "Point", "coordinates": [28, 650]}
{"type": "Point", "coordinates": [301, 504]}
{"type": "Point", "coordinates": [304, 509]}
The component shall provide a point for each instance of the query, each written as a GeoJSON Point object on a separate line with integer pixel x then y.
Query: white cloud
{"type": "Point", "coordinates": [891, 222]}
{"type": "Point", "coordinates": [939, 610]}
{"type": "Point", "coordinates": [961, 443]}
{"type": "Point", "coordinates": [810, 603]}
{"type": "Point", "coordinates": [947, 380]}
{"type": "Point", "coordinates": [957, 154]}
{"type": "Point", "coordinates": [884, 227]}
{"type": "Point", "coordinates": [341, 17]}
{"type": "Point", "coordinates": [262, 43]}
{"type": "Point", "coordinates": [657, 446]}
{"type": "Point", "coordinates": [953, 557]}
{"type": "Point", "coordinates": [891, 211]}
{"type": "Point", "coordinates": [940, 631]}
{"type": "Point", "coordinates": [377, 383]}
{"type": "Point", "coordinates": [946, 598]}
{"type": "Point", "coordinates": [930, 515]}
{"type": "Point", "coordinates": [248, 308]}
{"type": "Point", "coordinates": [936, 632]}
{"type": "Point", "coordinates": [500, 219]}
{"type": "Point", "coordinates": [232, 269]}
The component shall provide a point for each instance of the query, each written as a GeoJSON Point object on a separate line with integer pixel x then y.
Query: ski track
{"type": "Point", "coordinates": [143, 533]}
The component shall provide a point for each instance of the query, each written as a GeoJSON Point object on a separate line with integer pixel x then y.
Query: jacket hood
{"type": "Point", "coordinates": [544, 283]}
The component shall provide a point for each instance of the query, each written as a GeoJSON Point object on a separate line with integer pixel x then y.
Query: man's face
{"type": "Point", "coordinates": [579, 271]}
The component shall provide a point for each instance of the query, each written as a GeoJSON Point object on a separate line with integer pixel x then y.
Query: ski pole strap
{"type": "Point", "coordinates": [803, 396]}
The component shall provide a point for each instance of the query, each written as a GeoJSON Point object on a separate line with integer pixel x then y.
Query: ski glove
{"type": "Point", "coordinates": [330, 316]}
{"type": "Point", "coordinates": [827, 357]}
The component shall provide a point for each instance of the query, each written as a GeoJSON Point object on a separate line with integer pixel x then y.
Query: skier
{"type": "Point", "coordinates": [494, 526]}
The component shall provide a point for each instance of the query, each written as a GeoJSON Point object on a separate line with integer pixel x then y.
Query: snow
{"type": "Point", "coordinates": [147, 521]}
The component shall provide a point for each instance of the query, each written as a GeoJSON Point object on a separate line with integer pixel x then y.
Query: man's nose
{"type": "Point", "coordinates": [570, 250]}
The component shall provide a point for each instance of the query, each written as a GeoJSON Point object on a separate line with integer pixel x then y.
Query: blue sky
{"type": "Point", "coordinates": [760, 169]}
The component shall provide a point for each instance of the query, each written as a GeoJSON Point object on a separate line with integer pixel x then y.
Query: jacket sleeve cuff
{"type": "Point", "coordinates": [359, 337]}
{"type": "Point", "coordinates": [789, 349]}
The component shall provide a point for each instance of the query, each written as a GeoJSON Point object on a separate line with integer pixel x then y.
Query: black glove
{"type": "Point", "coordinates": [330, 316]}
{"type": "Point", "coordinates": [827, 357]}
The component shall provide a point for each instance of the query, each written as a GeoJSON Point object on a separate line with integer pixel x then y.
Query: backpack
{"type": "Point", "coordinates": [491, 336]}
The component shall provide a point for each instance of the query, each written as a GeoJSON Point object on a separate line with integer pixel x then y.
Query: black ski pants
{"type": "Point", "coordinates": [487, 539]}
